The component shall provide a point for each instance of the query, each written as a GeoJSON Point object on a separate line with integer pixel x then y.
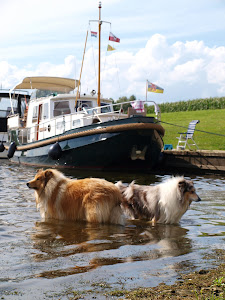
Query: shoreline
{"type": "Point", "coordinates": [202, 284]}
{"type": "Point", "coordinates": [205, 284]}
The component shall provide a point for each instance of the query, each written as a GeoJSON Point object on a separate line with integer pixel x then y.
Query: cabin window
{"type": "Point", "coordinates": [45, 112]}
{"type": "Point", "coordinates": [105, 108]}
{"type": "Point", "coordinates": [61, 108]}
{"type": "Point", "coordinates": [85, 104]}
{"type": "Point", "coordinates": [35, 114]}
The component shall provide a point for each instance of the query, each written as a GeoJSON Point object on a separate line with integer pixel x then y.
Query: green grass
{"type": "Point", "coordinates": [210, 121]}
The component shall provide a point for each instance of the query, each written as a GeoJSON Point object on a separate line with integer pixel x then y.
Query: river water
{"type": "Point", "coordinates": [43, 260]}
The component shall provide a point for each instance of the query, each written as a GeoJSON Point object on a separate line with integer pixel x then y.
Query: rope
{"type": "Point", "coordinates": [195, 129]}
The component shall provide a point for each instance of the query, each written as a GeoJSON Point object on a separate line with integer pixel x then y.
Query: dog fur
{"type": "Point", "coordinates": [91, 199]}
{"type": "Point", "coordinates": [163, 203]}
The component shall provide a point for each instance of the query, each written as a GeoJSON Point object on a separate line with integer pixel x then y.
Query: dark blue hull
{"type": "Point", "coordinates": [125, 149]}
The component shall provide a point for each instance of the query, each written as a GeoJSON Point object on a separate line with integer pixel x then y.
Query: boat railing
{"type": "Point", "coordinates": [98, 110]}
{"type": "Point", "coordinates": [63, 123]}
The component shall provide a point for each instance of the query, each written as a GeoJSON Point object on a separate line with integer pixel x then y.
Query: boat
{"type": "Point", "coordinates": [3, 137]}
{"type": "Point", "coordinates": [8, 104]}
{"type": "Point", "coordinates": [67, 129]}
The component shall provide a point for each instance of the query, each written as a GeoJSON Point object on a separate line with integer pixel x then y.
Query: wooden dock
{"type": "Point", "coordinates": [195, 162]}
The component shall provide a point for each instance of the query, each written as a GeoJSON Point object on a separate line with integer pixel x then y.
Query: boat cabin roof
{"type": "Point", "coordinates": [58, 84]}
{"type": "Point", "coordinates": [62, 88]}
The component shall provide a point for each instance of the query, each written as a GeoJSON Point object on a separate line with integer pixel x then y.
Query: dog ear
{"type": "Point", "coordinates": [39, 170]}
{"type": "Point", "coordinates": [48, 174]}
{"type": "Point", "coordinates": [182, 184]}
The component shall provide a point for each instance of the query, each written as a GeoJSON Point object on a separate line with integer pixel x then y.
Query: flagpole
{"type": "Point", "coordinates": [99, 54]}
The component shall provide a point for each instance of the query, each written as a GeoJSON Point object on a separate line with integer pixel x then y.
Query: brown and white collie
{"type": "Point", "coordinates": [91, 199]}
{"type": "Point", "coordinates": [162, 203]}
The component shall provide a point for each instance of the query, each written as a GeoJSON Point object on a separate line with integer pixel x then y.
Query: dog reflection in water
{"type": "Point", "coordinates": [163, 203]}
{"type": "Point", "coordinates": [54, 239]}
{"type": "Point", "coordinates": [91, 199]}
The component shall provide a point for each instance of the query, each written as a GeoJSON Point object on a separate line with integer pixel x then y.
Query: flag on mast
{"type": "Point", "coordinates": [151, 87]}
{"type": "Point", "coordinates": [113, 38]}
{"type": "Point", "coordinates": [110, 48]}
{"type": "Point", "coordinates": [94, 33]}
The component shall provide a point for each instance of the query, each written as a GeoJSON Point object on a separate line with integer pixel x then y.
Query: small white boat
{"type": "Point", "coordinates": [7, 103]}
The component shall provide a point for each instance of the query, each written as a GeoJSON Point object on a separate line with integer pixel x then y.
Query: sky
{"type": "Point", "coordinates": [177, 45]}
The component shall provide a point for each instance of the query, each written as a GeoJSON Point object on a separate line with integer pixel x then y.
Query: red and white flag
{"type": "Point", "coordinates": [113, 38]}
{"type": "Point", "coordinates": [94, 33]}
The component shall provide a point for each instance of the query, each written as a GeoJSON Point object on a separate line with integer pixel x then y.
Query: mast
{"type": "Point", "coordinates": [99, 55]}
{"type": "Point", "coordinates": [99, 52]}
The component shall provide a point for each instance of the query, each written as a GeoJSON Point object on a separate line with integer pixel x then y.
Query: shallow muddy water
{"type": "Point", "coordinates": [43, 260]}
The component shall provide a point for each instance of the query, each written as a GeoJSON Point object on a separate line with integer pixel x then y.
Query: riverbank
{"type": "Point", "coordinates": [203, 284]}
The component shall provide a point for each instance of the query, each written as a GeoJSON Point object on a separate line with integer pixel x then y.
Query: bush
{"type": "Point", "coordinates": [190, 105]}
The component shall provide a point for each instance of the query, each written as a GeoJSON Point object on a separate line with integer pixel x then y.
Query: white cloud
{"type": "Point", "coordinates": [188, 72]}
{"type": "Point", "coordinates": [185, 70]}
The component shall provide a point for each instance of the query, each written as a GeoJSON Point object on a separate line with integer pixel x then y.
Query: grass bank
{"type": "Point", "coordinates": [210, 121]}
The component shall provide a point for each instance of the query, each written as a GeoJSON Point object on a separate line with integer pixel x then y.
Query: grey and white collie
{"type": "Point", "coordinates": [165, 202]}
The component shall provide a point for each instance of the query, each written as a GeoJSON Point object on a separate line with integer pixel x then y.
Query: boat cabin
{"type": "Point", "coordinates": [54, 110]}
{"type": "Point", "coordinates": [56, 114]}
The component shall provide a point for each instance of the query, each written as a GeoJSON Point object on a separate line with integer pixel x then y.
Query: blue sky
{"type": "Point", "coordinates": [178, 45]}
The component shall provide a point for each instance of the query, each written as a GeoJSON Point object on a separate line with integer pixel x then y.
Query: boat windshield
{"type": "Point", "coordinates": [43, 93]}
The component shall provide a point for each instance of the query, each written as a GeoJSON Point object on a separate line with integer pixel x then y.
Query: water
{"type": "Point", "coordinates": [42, 260]}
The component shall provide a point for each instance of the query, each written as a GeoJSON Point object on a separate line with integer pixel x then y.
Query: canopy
{"type": "Point", "coordinates": [57, 84]}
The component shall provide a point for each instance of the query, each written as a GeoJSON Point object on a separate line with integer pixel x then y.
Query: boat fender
{"type": "Point", "coordinates": [2, 147]}
{"type": "Point", "coordinates": [55, 151]}
{"type": "Point", "coordinates": [12, 149]}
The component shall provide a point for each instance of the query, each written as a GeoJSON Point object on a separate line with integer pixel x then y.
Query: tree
{"type": "Point", "coordinates": [124, 99]}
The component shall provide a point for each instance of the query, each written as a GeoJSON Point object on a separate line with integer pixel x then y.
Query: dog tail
{"type": "Point", "coordinates": [122, 187]}
{"type": "Point", "coordinates": [135, 203]}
